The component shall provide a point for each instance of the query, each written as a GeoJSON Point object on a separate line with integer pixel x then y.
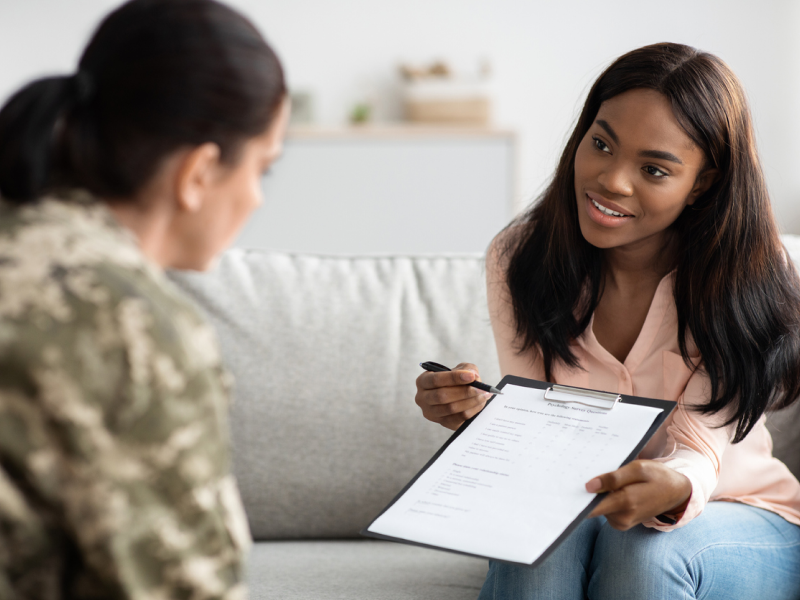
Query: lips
{"type": "Point", "coordinates": [606, 207]}
{"type": "Point", "coordinates": [604, 213]}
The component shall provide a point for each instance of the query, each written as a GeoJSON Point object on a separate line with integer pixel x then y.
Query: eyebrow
{"type": "Point", "coordinates": [611, 133]}
{"type": "Point", "coordinates": [661, 154]}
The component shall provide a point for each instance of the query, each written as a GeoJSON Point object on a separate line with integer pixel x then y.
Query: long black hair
{"type": "Point", "coordinates": [737, 293]}
{"type": "Point", "coordinates": [157, 75]}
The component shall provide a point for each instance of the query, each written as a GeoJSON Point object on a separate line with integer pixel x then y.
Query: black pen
{"type": "Point", "coordinates": [437, 368]}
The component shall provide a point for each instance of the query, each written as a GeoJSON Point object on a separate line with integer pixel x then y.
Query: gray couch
{"type": "Point", "coordinates": [325, 351]}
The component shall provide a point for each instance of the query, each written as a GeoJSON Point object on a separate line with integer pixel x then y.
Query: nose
{"type": "Point", "coordinates": [615, 179]}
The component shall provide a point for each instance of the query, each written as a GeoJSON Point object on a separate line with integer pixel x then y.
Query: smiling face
{"type": "Point", "coordinates": [636, 169]}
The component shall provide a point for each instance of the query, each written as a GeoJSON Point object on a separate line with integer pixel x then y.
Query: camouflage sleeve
{"type": "Point", "coordinates": [114, 447]}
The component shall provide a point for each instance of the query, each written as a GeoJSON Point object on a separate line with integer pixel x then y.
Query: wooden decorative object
{"type": "Point", "coordinates": [466, 111]}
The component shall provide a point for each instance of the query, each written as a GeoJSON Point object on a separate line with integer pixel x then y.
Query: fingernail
{"type": "Point", "coordinates": [486, 395]}
{"type": "Point", "coordinates": [467, 376]}
{"type": "Point", "coordinates": [594, 485]}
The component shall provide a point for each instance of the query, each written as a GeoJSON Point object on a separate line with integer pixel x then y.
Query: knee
{"type": "Point", "coordinates": [552, 580]}
{"type": "Point", "coordinates": [638, 563]}
{"type": "Point", "coordinates": [562, 576]}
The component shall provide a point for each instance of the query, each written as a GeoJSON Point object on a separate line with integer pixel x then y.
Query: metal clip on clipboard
{"type": "Point", "coordinates": [567, 394]}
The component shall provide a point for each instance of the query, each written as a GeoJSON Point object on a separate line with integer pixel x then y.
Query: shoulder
{"type": "Point", "coordinates": [74, 288]}
{"type": "Point", "coordinates": [502, 248]}
{"type": "Point", "coordinates": [498, 295]}
{"type": "Point", "coordinates": [54, 252]}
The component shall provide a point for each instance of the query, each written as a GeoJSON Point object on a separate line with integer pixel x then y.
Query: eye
{"type": "Point", "coordinates": [655, 172]}
{"type": "Point", "coordinates": [601, 145]}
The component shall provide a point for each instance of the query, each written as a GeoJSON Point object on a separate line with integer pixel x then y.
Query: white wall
{"type": "Point", "coordinates": [545, 55]}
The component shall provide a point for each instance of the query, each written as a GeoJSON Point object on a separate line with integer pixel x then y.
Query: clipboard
{"type": "Point", "coordinates": [597, 400]}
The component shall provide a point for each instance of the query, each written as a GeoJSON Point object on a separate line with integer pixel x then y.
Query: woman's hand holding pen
{"type": "Point", "coordinates": [638, 492]}
{"type": "Point", "coordinates": [447, 398]}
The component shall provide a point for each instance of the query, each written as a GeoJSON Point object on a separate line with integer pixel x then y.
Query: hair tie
{"type": "Point", "coordinates": [83, 84]}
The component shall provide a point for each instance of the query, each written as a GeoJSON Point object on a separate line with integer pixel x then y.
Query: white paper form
{"type": "Point", "coordinates": [513, 481]}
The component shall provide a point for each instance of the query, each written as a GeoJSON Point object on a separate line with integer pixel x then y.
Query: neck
{"type": "Point", "coordinates": [149, 225]}
{"type": "Point", "coordinates": [641, 263]}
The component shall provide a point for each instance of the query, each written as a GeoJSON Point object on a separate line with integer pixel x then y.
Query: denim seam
{"type": "Point", "coordinates": [729, 545]}
{"type": "Point", "coordinates": [689, 592]}
{"type": "Point", "coordinates": [739, 545]}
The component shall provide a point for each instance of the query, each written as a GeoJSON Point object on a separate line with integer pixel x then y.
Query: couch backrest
{"type": "Point", "coordinates": [325, 351]}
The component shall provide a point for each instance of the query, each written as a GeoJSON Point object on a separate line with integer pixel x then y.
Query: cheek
{"type": "Point", "coordinates": [585, 166]}
{"type": "Point", "coordinates": [237, 201]}
{"type": "Point", "coordinates": [665, 202]}
{"type": "Point", "coordinates": [256, 193]}
{"type": "Point", "coordinates": [248, 195]}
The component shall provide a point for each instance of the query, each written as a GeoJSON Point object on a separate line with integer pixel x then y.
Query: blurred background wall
{"type": "Point", "coordinates": [543, 57]}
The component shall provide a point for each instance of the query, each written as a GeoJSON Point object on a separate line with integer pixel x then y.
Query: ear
{"type": "Point", "coordinates": [704, 180]}
{"type": "Point", "coordinates": [196, 174]}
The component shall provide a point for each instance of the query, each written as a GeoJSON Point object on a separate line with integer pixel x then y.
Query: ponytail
{"type": "Point", "coordinates": [28, 124]}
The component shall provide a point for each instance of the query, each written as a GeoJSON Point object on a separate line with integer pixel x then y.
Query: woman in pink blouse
{"type": "Point", "coordinates": [652, 266]}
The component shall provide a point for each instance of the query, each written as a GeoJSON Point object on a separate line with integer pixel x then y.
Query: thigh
{"type": "Point", "coordinates": [562, 576]}
{"type": "Point", "coordinates": [730, 551]}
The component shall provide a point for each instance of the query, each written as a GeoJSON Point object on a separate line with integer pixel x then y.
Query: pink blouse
{"type": "Point", "coordinates": [688, 442]}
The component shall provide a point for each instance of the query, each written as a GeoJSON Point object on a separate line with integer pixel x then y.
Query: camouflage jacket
{"type": "Point", "coordinates": [114, 462]}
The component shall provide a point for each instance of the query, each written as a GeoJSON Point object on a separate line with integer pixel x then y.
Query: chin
{"type": "Point", "coordinates": [599, 239]}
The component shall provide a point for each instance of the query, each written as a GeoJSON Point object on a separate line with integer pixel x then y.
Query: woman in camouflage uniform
{"type": "Point", "coordinates": [115, 476]}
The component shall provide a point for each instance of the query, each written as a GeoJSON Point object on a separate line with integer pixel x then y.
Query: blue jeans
{"type": "Point", "coordinates": [731, 551]}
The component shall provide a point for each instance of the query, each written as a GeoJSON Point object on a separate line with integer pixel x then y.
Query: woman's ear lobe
{"type": "Point", "coordinates": [702, 184]}
{"type": "Point", "coordinates": [195, 176]}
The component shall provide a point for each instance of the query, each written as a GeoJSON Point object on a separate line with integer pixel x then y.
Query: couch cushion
{"type": "Point", "coordinates": [368, 570]}
{"type": "Point", "coordinates": [325, 351]}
